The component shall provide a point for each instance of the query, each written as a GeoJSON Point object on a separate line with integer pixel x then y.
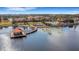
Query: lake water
{"type": "Point", "coordinates": [45, 39]}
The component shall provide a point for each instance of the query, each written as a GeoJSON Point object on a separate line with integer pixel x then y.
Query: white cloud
{"type": "Point", "coordinates": [75, 11]}
{"type": "Point", "coordinates": [20, 8]}
{"type": "Point", "coordinates": [67, 12]}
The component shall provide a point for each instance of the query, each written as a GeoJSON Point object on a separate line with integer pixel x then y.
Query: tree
{"type": "Point", "coordinates": [33, 19]}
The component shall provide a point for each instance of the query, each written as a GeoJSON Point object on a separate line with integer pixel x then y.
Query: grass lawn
{"type": "Point", "coordinates": [5, 23]}
{"type": "Point", "coordinates": [21, 23]}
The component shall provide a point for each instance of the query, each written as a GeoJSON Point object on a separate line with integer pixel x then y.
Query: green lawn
{"type": "Point", "coordinates": [5, 23]}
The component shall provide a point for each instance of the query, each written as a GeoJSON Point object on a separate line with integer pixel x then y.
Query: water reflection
{"type": "Point", "coordinates": [6, 43]}
{"type": "Point", "coordinates": [45, 39]}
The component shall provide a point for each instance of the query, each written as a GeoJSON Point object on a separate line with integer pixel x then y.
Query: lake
{"type": "Point", "coordinates": [45, 39]}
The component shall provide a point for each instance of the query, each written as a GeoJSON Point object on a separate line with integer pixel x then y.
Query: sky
{"type": "Point", "coordinates": [39, 10]}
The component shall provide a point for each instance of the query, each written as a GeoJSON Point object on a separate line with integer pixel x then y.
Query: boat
{"type": "Point", "coordinates": [17, 33]}
{"type": "Point", "coordinates": [34, 29]}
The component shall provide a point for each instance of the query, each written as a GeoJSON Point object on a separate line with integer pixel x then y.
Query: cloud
{"type": "Point", "coordinates": [67, 12]}
{"type": "Point", "coordinates": [77, 11]}
{"type": "Point", "coordinates": [20, 8]}
{"type": "Point", "coordinates": [36, 10]}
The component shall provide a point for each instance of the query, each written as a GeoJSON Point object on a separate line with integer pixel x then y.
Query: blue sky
{"type": "Point", "coordinates": [39, 10]}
